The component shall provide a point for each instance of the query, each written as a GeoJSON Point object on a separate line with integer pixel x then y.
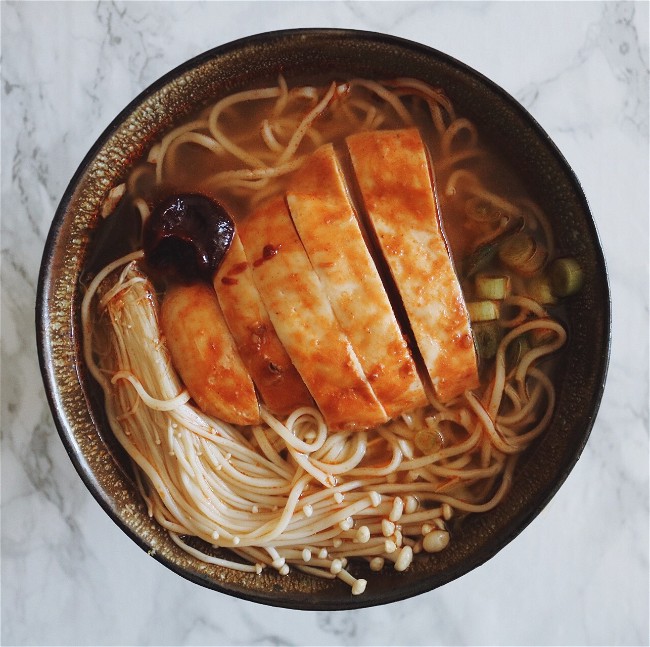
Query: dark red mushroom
{"type": "Point", "coordinates": [187, 236]}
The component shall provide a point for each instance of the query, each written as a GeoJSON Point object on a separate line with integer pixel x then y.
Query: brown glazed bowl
{"type": "Point", "coordinates": [546, 175]}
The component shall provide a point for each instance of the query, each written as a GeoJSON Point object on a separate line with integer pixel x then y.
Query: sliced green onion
{"type": "Point", "coordinates": [535, 263]}
{"type": "Point", "coordinates": [479, 259]}
{"type": "Point", "coordinates": [481, 210]}
{"type": "Point", "coordinates": [487, 335]}
{"type": "Point", "coordinates": [522, 254]}
{"type": "Point", "coordinates": [428, 441]}
{"type": "Point", "coordinates": [490, 286]}
{"type": "Point", "coordinates": [484, 254]}
{"type": "Point", "coordinates": [516, 250]}
{"type": "Point", "coordinates": [539, 289]}
{"type": "Point", "coordinates": [566, 277]}
{"type": "Point", "coordinates": [482, 310]}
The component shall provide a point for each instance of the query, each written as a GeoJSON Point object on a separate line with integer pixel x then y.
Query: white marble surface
{"type": "Point", "coordinates": [577, 575]}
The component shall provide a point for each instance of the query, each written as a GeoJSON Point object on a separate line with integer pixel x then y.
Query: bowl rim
{"type": "Point", "coordinates": [47, 276]}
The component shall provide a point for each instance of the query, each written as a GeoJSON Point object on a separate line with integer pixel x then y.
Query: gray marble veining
{"type": "Point", "coordinates": [577, 575]}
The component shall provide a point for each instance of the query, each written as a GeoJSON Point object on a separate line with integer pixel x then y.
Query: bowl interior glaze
{"type": "Point", "coordinates": [501, 121]}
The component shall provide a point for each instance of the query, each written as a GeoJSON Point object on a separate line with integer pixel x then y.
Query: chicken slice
{"type": "Point", "coordinates": [204, 354]}
{"type": "Point", "coordinates": [396, 184]}
{"type": "Point", "coordinates": [304, 320]}
{"type": "Point", "coordinates": [327, 224]}
{"type": "Point", "coordinates": [276, 378]}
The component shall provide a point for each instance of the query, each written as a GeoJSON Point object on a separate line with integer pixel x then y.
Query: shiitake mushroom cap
{"type": "Point", "coordinates": [187, 236]}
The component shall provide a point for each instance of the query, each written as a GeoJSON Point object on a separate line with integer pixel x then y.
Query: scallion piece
{"type": "Point", "coordinates": [428, 441]}
{"type": "Point", "coordinates": [482, 310]}
{"type": "Point", "coordinates": [487, 335]}
{"type": "Point", "coordinates": [479, 259]}
{"type": "Point", "coordinates": [490, 286]}
{"type": "Point", "coordinates": [539, 289]}
{"type": "Point", "coordinates": [481, 210]}
{"type": "Point", "coordinates": [485, 253]}
{"type": "Point", "coordinates": [535, 263]}
{"type": "Point", "coordinates": [566, 277]}
{"type": "Point", "coordinates": [516, 250]}
{"type": "Point", "coordinates": [522, 254]}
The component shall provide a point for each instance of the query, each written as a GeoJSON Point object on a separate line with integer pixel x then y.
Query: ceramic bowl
{"type": "Point", "coordinates": [73, 396]}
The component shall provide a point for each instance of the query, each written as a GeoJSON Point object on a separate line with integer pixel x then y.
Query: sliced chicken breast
{"type": "Point", "coordinates": [304, 320]}
{"type": "Point", "coordinates": [204, 353]}
{"type": "Point", "coordinates": [395, 181]}
{"type": "Point", "coordinates": [273, 373]}
{"type": "Point", "coordinates": [327, 224]}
